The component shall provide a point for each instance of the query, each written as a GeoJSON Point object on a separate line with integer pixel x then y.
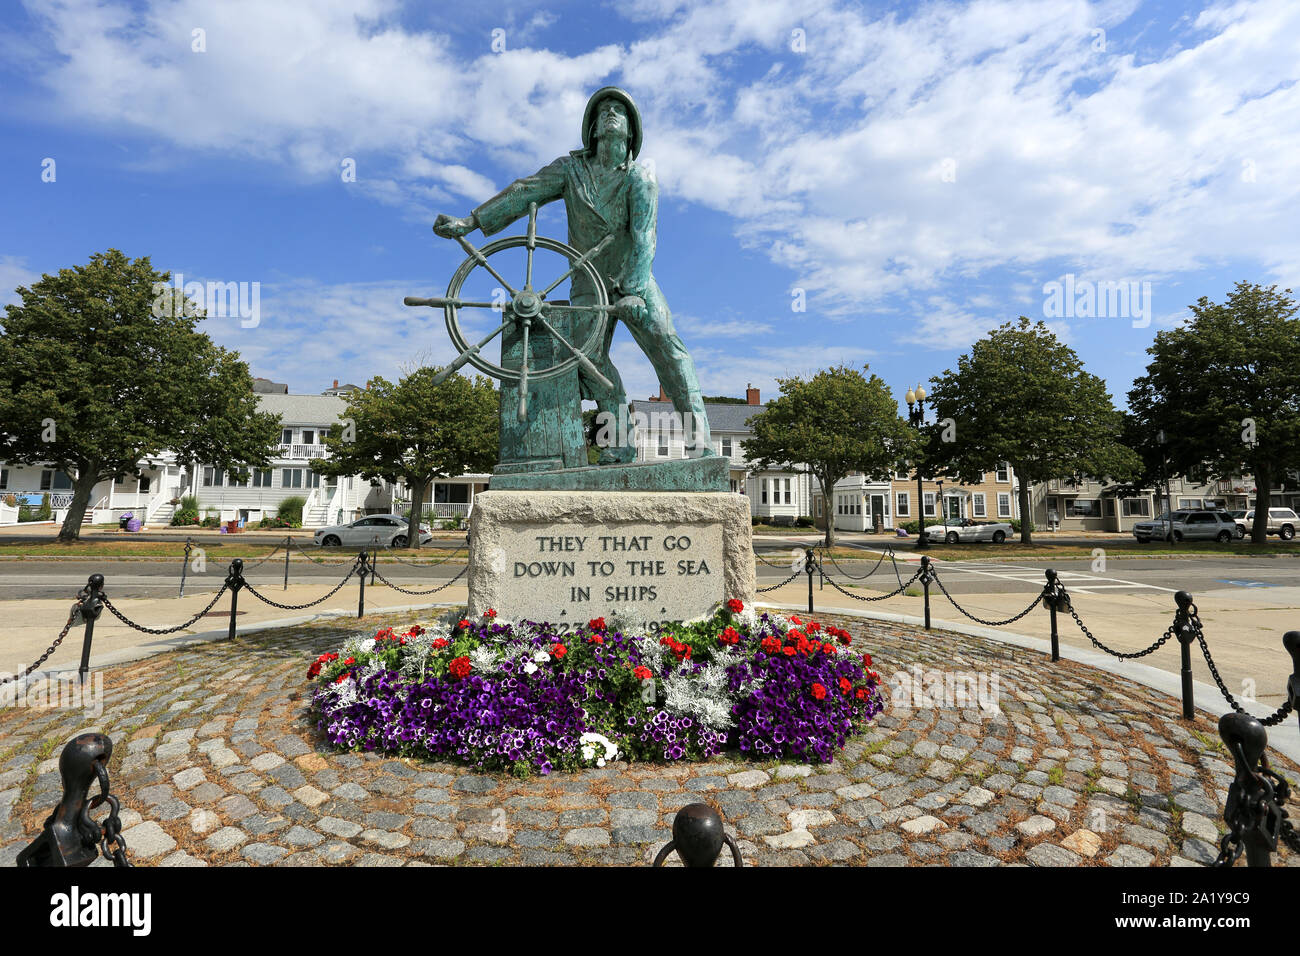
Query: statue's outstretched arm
{"type": "Point", "coordinates": [545, 185]}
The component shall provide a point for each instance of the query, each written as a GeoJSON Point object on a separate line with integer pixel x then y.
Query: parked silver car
{"type": "Point", "coordinates": [956, 530]}
{"type": "Point", "coordinates": [1188, 525]}
{"type": "Point", "coordinates": [389, 531]}
{"type": "Point", "coordinates": [1281, 522]}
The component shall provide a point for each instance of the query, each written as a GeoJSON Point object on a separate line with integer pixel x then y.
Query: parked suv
{"type": "Point", "coordinates": [1281, 522]}
{"type": "Point", "coordinates": [1188, 526]}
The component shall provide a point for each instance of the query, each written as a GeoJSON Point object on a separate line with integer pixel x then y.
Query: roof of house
{"type": "Point", "coordinates": [304, 409]}
{"type": "Point", "coordinates": [267, 387]}
{"type": "Point", "coordinates": [722, 417]}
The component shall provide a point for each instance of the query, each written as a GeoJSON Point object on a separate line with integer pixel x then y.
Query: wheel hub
{"type": "Point", "coordinates": [526, 304]}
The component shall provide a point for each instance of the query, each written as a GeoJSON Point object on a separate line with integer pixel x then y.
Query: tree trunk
{"type": "Point", "coordinates": [413, 521]}
{"type": "Point", "coordinates": [82, 489]}
{"type": "Point", "coordinates": [830, 512]}
{"type": "Point", "coordinates": [1263, 496]}
{"type": "Point", "coordinates": [1026, 516]}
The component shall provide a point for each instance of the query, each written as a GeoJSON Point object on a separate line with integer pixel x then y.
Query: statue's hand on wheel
{"type": "Point", "coordinates": [631, 307]}
{"type": "Point", "coordinates": [453, 227]}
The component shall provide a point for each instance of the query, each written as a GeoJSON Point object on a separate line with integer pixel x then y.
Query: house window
{"type": "Point", "coordinates": [291, 478]}
{"type": "Point", "coordinates": [928, 504]}
{"type": "Point", "coordinates": [1004, 472]}
{"type": "Point", "coordinates": [1192, 504]}
{"type": "Point", "coordinates": [726, 448]}
{"type": "Point", "coordinates": [1004, 504]}
{"type": "Point", "coordinates": [977, 504]}
{"type": "Point", "coordinates": [4, 478]}
{"type": "Point", "coordinates": [787, 490]}
{"type": "Point", "coordinates": [313, 479]}
{"type": "Point", "coordinates": [762, 490]}
{"type": "Point", "coordinates": [904, 504]}
{"type": "Point", "coordinates": [213, 477]}
{"type": "Point", "coordinates": [1137, 507]}
{"type": "Point", "coordinates": [286, 436]}
{"type": "Point", "coordinates": [308, 436]}
{"type": "Point", "coordinates": [662, 443]}
{"type": "Point", "coordinates": [1082, 508]}
{"type": "Point", "coordinates": [261, 477]}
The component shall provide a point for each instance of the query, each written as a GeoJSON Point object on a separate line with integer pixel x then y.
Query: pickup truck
{"type": "Point", "coordinates": [954, 531]}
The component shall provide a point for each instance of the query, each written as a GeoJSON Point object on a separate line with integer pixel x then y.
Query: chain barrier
{"type": "Point", "coordinates": [302, 607]}
{"type": "Point", "coordinates": [1169, 633]}
{"type": "Point", "coordinates": [1256, 807]}
{"type": "Point", "coordinates": [392, 553]}
{"type": "Point", "coordinates": [111, 828]}
{"type": "Point", "coordinates": [1272, 720]}
{"type": "Point", "coordinates": [759, 555]}
{"type": "Point", "coordinates": [979, 620]}
{"type": "Point", "coordinates": [265, 558]}
{"type": "Point", "coordinates": [69, 837]}
{"type": "Point", "coordinates": [435, 590]}
{"type": "Point", "coordinates": [781, 585]}
{"type": "Point", "coordinates": [314, 560]}
{"type": "Point", "coordinates": [858, 597]}
{"type": "Point", "coordinates": [887, 553]}
{"type": "Point", "coordinates": [163, 630]}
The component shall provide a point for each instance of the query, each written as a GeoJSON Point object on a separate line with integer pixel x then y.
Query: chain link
{"type": "Point", "coordinates": [445, 584]}
{"type": "Point", "coordinates": [72, 619]}
{"type": "Point", "coordinates": [111, 828]}
{"type": "Point", "coordinates": [310, 558]}
{"type": "Point", "coordinates": [265, 558]}
{"type": "Point", "coordinates": [420, 564]}
{"type": "Point", "coordinates": [1169, 632]}
{"type": "Point", "coordinates": [1273, 719]}
{"type": "Point", "coordinates": [978, 620]}
{"type": "Point", "coordinates": [782, 584]}
{"type": "Point", "coordinates": [163, 630]}
{"type": "Point", "coordinates": [302, 607]}
{"type": "Point", "coordinates": [884, 554]}
{"type": "Point", "coordinates": [858, 597]}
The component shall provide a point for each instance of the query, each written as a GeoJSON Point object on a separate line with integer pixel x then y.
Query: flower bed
{"type": "Point", "coordinates": [529, 698]}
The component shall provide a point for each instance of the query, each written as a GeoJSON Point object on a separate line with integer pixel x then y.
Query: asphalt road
{"type": "Point", "coordinates": [32, 578]}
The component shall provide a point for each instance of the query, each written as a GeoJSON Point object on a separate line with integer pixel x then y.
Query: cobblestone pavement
{"type": "Point", "coordinates": [217, 763]}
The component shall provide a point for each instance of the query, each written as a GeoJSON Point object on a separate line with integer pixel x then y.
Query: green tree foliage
{"type": "Point", "coordinates": [1021, 396]}
{"type": "Point", "coordinates": [98, 370]}
{"type": "Point", "coordinates": [417, 432]}
{"type": "Point", "coordinates": [1225, 390]}
{"type": "Point", "coordinates": [835, 423]}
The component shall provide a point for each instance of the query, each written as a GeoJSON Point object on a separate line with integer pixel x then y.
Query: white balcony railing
{"type": "Point", "coordinates": [302, 451]}
{"type": "Point", "coordinates": [58, 499]}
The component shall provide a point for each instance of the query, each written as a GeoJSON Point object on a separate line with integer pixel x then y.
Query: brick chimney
{"type": "Point", "coordinates": [661, 397]}
{"type": "Point", "coordinates": [751, 395]}
{"type": "Point", "coordinates": [336, 383]}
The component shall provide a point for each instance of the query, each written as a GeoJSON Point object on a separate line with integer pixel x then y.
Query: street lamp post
{"type": "Point", "coordinates": [916, 416]}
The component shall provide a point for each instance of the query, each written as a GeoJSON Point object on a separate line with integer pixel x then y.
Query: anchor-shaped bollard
{"type": "Point", "coordinates": [1252, 813]}
{"type": "Point", "coordinates": [70, 837]}
{"type": "Point", "coordinates": [698, 837]}
{"type": "Point", "coordinates": [1291, 641]}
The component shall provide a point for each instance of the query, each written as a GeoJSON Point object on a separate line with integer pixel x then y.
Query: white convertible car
{"type": "Point", "coordinates": [953, 531]}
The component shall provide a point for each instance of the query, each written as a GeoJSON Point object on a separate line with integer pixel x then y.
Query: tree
{"type": "Point", "coordinates": [416, 431]}
{"type": "Point", "coordinates": [835, 423]}
{"type": "Point", "coordinates": [1022, 397]}
{"type": "Point", "coordinates": [1225, 389]}
{"type": "Point", "coordinates": [98, 370]}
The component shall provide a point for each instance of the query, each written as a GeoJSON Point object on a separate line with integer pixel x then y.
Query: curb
{"type": "Point", "coordinates": [1284, 738]}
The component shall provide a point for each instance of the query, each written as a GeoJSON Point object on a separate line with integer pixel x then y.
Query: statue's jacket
{"type": "Point", "coordinates": [625, 207]}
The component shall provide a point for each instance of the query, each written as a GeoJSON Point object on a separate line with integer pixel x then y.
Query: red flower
{"type": "Point", "coordinates": [350, 660]}
{"type": "Point", "coordinates": [596, 624]}
{"type": "Point", "coordinates": [464, 624]}
{"type": "Point", "coordinates": [828, 648]}
{"type": "Point", "coordinates": [863, 693]}
{"type": "Point", "coordinates": [793, 635]}
{"type": "Point", "coordinates": [460, 668]}
{"type": "Point", "coordinates": [596, 639]}
{"type": "Point", "coordinates": [490, 613]}
{"type": "Point", "coordinates": [415, 631]}
{"type": "Point", "coordinates": [735, 606]}
{"type": "Point", "coordinates": [559, 650]}
{"type": "Point", "coordinates": [642, 673]}
{"type": "Point", "coordinates": [818, 691]}
{"type": "Point", "coordinates": [794, 619]}
{"type": "Point", "coordinates": [789, 651]}
{"type": "Point", "coordinates": [845, 686]}
{"type": "Point", "coordinates": [729, 636]}
{"type": "Point", "coordinates": [866, 660]}
{"type": "Point", "coordinates": [771, 645]}
{"type": "Point", "coordinates": [813, 626]}
{"type": "Point", "coordinates": [342, 677]}
{"type": "Point", "coordinates": [439, 643]}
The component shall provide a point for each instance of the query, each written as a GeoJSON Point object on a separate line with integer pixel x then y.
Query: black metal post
{"type": "Point", "coordinates": [1185, 634]}
{"type": "Point", "coordinates": [69, 838]}
{"type": "Point", "coordinates": [1049, 595]}
{"type": "Point", "coordinates": [808, 559]}
{"type": "Point", "coordinates": [234, 581]}
{"type": "Point", "coordinates": [288, 539]}
{"type": "Point", "coordinates": [361, 597]}
{"type": "Point", "coordinates": [91, 606]}
{"type": "Point", "coordinates": [925, 582]}
{"type": "Point", "coordinates": [698, 838]}
{"type": "Point", "coordinates": [1246, 739]}
{"type": "Point", "coordinates": [1291, 641]}
{"type": "Point", "coordinates": [185, 564]}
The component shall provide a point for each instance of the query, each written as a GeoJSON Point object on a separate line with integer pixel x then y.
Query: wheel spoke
{"type": "Point", "coordinates": [473, 350]}
{"type": "Point", "coordinates": [532, 243]}
{"type": "Point", "coordinates": [482, 260]}
{"type": "Point", "coordinates": [581, 356]}
{"type": "Point", "coordinates": [439, 301]}
{"type": "Point", "coordinates": [579, 263]}
{"type": "Point", "coordinates": [523, 378]}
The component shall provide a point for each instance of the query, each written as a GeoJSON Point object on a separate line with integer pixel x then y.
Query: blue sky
{"type": "Point", "coordinates": [919, 171]}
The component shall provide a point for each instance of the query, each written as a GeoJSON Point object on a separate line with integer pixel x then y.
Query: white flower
{"type": "Point", "coordinates": [530, 668]}
{"type": "Point", "coordinates": [589, 742]}
{"type": "Point", "coordinates": [367, 645]}
{"type": "Point", "coordinates": [541, 656]}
